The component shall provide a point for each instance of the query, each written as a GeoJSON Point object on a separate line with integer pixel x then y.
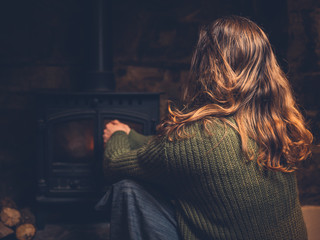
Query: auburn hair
{"type": "Point", "coordinates": [234, 72]}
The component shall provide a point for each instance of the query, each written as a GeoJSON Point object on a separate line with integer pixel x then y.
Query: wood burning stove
{"type": "Point", "coordinates": [71, 146]}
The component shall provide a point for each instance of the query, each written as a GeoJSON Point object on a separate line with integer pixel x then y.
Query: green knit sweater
{"type": "Point", "coordinates": [218, 193]}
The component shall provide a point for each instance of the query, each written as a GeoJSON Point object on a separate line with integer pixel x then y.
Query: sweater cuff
{"type": "Point", "coordinates": [137, 140]}
{"type": "Point", "coordinates": [119, 132]}
{"type": "Point", "coordinates": [116, 146]}
{"type": "Point", "coordinates": [118, 142]}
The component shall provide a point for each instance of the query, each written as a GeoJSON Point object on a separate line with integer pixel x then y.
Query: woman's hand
{"type": "Point", "coordinates": [112, 127]}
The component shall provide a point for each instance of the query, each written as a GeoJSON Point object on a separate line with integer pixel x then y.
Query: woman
{"type": "Point", "coordinates": [227, 159]}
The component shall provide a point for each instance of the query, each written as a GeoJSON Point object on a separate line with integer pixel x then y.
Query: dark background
{"type": "Point", "coordinates": [44, 44]}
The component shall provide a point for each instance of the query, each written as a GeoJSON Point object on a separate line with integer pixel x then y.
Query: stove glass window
{"type": "Point", "coordinates": [73, 141]}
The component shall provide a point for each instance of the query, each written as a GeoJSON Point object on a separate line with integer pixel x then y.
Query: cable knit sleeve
{"type": "Point", "coordinates": [146, 163]}
{"type": "Point", "coordinates": [137, 140]}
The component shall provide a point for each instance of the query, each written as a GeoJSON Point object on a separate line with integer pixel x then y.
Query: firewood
{"type": "Point", "coordinates": [25, 231]}
{"type": "Point", "coordinates": [26, 226]}
{"type": "Point", "coordinates": [5, 231]}
{"type": "Point", "coordinates": [27, 216]}
{"type": "Point", "coordinates": [7, 202]}
{"type": "Point", "coordinates": [10, 216]}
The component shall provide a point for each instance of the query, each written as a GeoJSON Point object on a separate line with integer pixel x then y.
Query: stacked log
{"type": "Point", "coordinates": [18, 221]}
{"type": "Point", "coordinates": [5, 231]}
{"type": "Point", "coordinates": [10, 216]}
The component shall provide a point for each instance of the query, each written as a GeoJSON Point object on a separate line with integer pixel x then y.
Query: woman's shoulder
{"type": "Point", "coordinates": [206, 140]}
{"type": "Point", "coordinates": [212, 125]}
{"type": "Point", "coordinates": [205, 130]}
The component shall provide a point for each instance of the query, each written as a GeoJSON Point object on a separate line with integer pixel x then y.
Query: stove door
{"type": "Point", "coordinates": [71, 156]}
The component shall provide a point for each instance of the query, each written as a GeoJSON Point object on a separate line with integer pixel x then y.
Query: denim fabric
{"type": "Point", "coordinates": [138, 212]}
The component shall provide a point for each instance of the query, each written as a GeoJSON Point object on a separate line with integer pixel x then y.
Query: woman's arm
{"type": "Point", "coordinates": [146, 162]}
{"type": "Point", "coordinates": [137, 140]}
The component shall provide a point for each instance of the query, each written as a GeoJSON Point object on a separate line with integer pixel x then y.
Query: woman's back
{"type": "Point", "coordinates": [222, 195]}
{"type": "Point", "coordinates": [228, 155]}
{"type": "Point", "coordinates": [239, 172]}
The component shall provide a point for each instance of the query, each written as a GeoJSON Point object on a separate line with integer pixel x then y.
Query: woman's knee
{"type": "Point", "coordinates": [127, 186]}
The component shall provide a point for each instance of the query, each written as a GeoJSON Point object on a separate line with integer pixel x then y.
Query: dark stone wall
{"type": "Point", "coordinates": [44, 44]}
{"type": "Point", "coordinates": [154, 40]}
{"type": "Point", "coordinates": [304, 72]}
{"type": "Point", "coordinates": [41, 46]}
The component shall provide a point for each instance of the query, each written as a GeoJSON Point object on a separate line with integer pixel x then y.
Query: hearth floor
{"type": "Point", "coordinates": [97, 231]}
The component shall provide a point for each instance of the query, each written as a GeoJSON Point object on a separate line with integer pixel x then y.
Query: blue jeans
{"type": "Point", "coordinates": [139, 212]}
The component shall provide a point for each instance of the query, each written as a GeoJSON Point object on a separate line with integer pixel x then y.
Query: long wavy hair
{"type": "Point", "coordinates": [234, 72]}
